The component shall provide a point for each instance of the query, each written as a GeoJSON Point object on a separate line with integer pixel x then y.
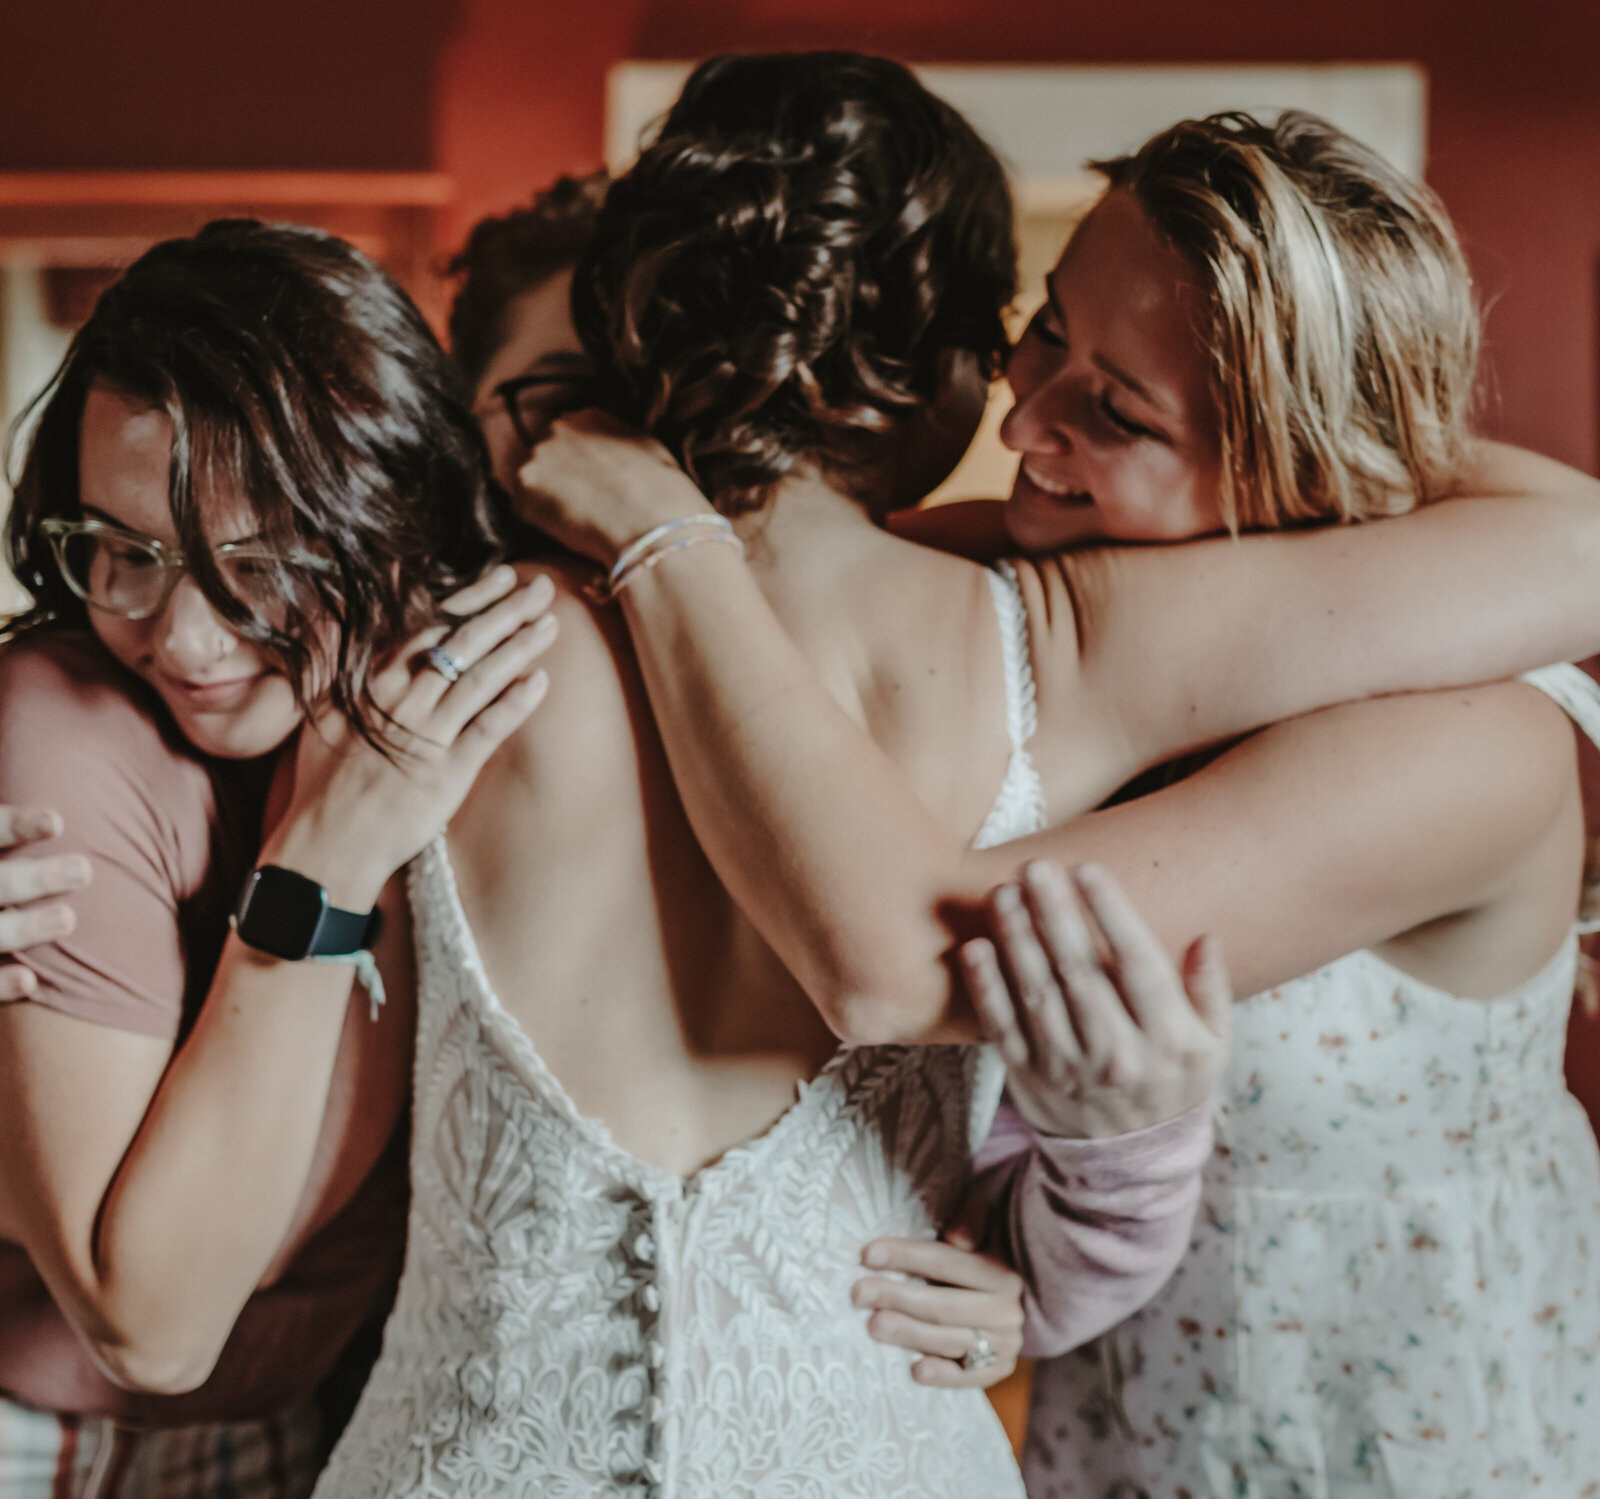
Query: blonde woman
{"type": "Point", "coordinates": [1257, 325]}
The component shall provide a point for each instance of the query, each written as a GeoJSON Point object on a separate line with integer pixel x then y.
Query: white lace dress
{"type": "Point", "coordinates": [1394, 1286]}
{"type": "Point", "coordinates": [572, 1321]}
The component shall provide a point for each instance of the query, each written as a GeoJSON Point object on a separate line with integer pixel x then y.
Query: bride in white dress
{"type": "Point", "coordinates": [1393, 1290]}
{"type": "Point", "coordinates": [653, 1303]}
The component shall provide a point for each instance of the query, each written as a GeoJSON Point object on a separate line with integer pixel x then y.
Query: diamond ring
{"type": "Point", "coordinates": [980, 1355]}
{"type": "Point", "coordinates": [449, 667]}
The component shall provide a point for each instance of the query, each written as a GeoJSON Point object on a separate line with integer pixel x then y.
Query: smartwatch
{"type": "Point", "coordinates": [287, 915]}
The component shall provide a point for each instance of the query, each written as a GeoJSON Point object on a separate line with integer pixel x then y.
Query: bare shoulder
{"type": "Point", "coordinates": [1080, 749]}
{"type": "Point", "coordinates": [580, 742]}
{"type": "Point", "coordinates": [1477, 785]}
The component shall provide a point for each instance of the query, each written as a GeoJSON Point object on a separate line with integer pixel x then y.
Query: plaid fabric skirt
{"type": "Point", "coordinates": [49, 1456]}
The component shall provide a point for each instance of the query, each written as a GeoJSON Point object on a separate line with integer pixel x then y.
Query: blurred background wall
{"type": "Point", "coordinates": [502, 94]}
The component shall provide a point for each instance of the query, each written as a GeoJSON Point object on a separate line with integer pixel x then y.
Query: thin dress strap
{"type": "Point", "coordinates": [1578, 695]}
{"type": "Point", "coordinates": [1019, 807]}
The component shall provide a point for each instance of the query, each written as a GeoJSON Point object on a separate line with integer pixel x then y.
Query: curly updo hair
{"type": "Point", "coordinates": [303, 382]}
{"type": "Point", "coordinates": [783, 276]}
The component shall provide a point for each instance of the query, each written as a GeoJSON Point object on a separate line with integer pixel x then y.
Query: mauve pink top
{"type": "Point", "coordinates": [171, 835]}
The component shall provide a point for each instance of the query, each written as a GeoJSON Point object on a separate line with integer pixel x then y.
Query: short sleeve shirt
{"type": "Point", "coordinates": [171, 835]}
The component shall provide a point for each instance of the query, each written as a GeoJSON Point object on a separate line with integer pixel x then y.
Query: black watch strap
{"type": "Point", "coordinates": [340, 933]}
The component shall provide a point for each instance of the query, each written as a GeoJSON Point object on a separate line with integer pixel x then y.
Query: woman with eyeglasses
{"type": "Point", "coordinates": [511, 332]}
{"type": "Point", "coordinates": [269, 649]}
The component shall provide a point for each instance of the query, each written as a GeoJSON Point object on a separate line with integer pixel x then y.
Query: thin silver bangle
{"type": "Point", "coordinates": [637, 548]}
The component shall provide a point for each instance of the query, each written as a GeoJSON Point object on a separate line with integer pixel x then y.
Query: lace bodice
{"type": "Point", "coordinates": [573, 1321]}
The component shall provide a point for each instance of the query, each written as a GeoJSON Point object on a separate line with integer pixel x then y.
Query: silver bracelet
{"type": "Point", "coordinates": [635, 549]}
{"type": "Point", "coordinates": [663, 541]}
{"type": "Point", "coordinates": [649, 560]}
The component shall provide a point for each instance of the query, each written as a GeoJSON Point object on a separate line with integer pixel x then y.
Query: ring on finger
{"type": "Point", "coordinates": [980, 1353]}
{"type": "Point", "coordinates": [440, 660]}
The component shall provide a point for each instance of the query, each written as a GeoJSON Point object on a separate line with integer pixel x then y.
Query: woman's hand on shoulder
{"type": "Point", "coordinates": [1100, 1033]}
{"type": "Point", "coordinates": [596, 485]}
{"type": "Point", "coordinates": [28, 915]}
{"type": "Point", "coordinates": [452, 695]}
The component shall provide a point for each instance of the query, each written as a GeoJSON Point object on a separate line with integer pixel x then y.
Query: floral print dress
{"type": "Point", "coordinates": [1394, 1286]}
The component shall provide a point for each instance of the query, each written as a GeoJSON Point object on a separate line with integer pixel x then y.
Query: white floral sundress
{"type": "Point", "coordinates": [1394, 1285]}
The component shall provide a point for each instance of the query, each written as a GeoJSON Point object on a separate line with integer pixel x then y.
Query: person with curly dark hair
{"type": "Point", "coordinates": [1260, 326]}
{"type": "Point", "coordinates": [251, 501]}
{"type": "Point", "coordinates": [510, 330]}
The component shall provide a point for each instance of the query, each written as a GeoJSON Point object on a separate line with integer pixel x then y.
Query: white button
{"type": "Point", "coordinates": [651, 1299]}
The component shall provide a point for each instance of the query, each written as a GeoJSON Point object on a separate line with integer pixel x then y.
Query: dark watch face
{"type": "Point", "coordinates": [279, 912]}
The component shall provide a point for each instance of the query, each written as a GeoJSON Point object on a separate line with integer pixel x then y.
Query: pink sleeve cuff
{"type": "Point", "coordinates": [1094, 1227]}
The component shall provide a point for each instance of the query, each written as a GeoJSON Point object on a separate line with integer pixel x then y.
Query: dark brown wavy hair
{"type": "Point", "coordinates": [299, 378]}
{"type": "Point", "coordinates": [507, 255]}
{"type": "Point", "coordinates": [781, 278]}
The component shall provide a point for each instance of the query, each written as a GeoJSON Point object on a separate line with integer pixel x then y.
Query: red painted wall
{"type": "Point", "coordinates": [505, 93]}
{"type": "Point", "coordinates": [242, 84]}
{"type": "Point", "coordinates": [1514, 123]}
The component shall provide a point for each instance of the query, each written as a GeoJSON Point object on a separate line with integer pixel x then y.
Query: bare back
{"type": "Point", "coordinates": [601, 925]}
{"type": "Point", "coordinates": [604, 931]}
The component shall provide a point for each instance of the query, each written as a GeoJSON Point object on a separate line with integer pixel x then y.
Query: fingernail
{"type": "Point", "coordinates": [875, 1255]}
{"type": "Point", "coordinates": [1007, 898]}
{"type": "Point", "coordinates": [1045, 872]}
{"type": "Point", "coordinates": [1090, 871]}
{"type": "Point", "coordinates": [860, 1295]}
{"type": "Point", "coordinates": [25, 982]}
{"type": "Point", "coordinates": [74, 871]}
{"type": "Point", "coordinates": [44, 824]}
{"type": "Point", "coordinates": [541, 591]}
{"type": "Point", "coordinates": [62, 920]}
{"type": "Point", "coordinates": [960, 1238]}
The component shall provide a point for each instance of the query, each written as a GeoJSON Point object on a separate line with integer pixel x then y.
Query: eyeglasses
{"type": "Point", "coordinates": [533, 402]}
{"type": "Point", "coordinates": [134, 576]}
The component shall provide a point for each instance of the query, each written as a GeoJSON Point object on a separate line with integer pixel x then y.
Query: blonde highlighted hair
{"type": "Point", "coordinates": [1340, 323]}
